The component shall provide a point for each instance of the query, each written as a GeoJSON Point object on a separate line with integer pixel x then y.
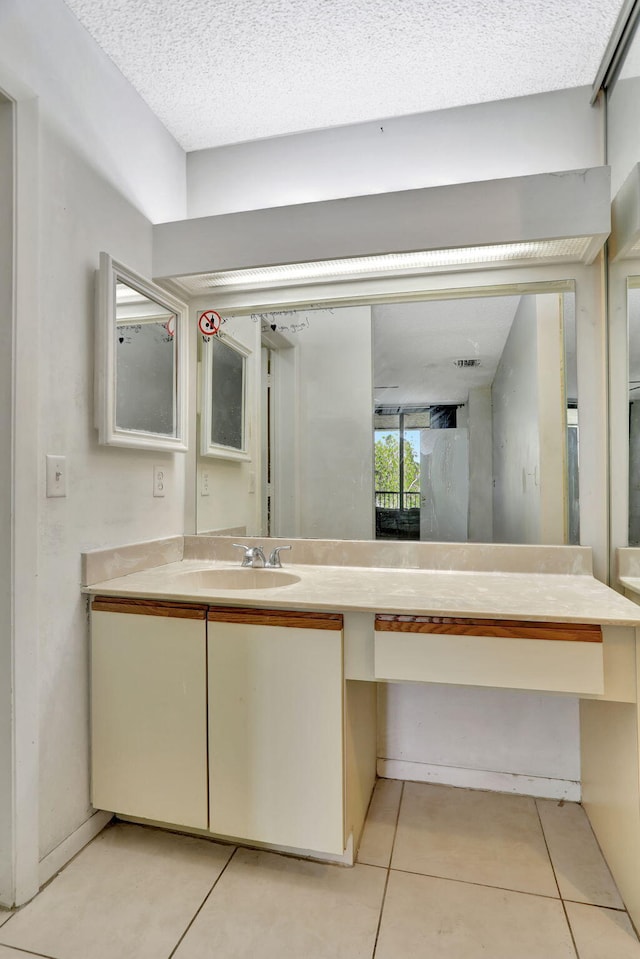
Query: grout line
{"type": "Point", "coordinates": [386, 884]}
{"type": "Point", "coordinates": [395, 830]}
{"type": "Point", "coordinates": [484, 885]}
{"type": "Point", "coordinates": [28, 952]}
{"type": "Point", "coordinates": [202, 904]}
{"type": "Point", "coordinates": [555, 876]}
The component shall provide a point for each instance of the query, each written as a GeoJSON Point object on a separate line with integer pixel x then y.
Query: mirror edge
{"type": "Point", "coordinates": [108, 274]}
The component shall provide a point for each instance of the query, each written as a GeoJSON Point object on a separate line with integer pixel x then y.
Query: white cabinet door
{"type": "Point", "coordinates": [149, 718]}
{"type": "Point", "coordinates": [276, 752]}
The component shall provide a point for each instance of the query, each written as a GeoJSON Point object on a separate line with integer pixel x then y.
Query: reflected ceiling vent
{"type": "Point", "coordinates": [466, 364]}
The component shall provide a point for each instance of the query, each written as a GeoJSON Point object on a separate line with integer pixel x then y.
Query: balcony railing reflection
{"type": "Point", "coordinates": [390, 499]}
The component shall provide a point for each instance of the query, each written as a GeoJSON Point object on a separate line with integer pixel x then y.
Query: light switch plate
{"type": "Point", "coordinates": [204, 483]}
{"type": "Point", "coordinates": [56, 475]}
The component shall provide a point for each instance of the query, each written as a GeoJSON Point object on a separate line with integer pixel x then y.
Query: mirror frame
{"type": "Point", "coordinates": [207, 446]}
{"type": "Point", "coordinates": [109, 274]}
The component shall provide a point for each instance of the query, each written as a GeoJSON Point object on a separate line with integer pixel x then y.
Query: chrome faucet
{"type": "Point", "coordinates": [274, 557]}
{"type": "Point", "coordinates": [253, 556]}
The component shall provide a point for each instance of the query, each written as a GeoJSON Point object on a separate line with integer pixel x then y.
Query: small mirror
{"type": "Point", "coordinates": [140, 362]}
{"type": "Point", "coordinates": [224, 398]}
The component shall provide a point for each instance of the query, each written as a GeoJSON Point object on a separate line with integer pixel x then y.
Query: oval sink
{"type": "Point", "coordinates": [237, 578]}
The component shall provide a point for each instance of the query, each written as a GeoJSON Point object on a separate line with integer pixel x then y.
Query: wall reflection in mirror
{"type": "Point", "coordinates": [438, 420]}
{"type": "Point", "coordinates": [633, 304]}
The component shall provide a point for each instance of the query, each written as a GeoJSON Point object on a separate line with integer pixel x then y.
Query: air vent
{"type": "Point", "coordinates": [465, 364]}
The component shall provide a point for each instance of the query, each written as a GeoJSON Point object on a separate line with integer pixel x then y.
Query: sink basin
{"type": "Point", "coordinates": [239, 578]}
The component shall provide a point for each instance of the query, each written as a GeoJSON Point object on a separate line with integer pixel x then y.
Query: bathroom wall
{"type": "Point", "coordinates": [535, 134]}
{"type": "Point", "coordinates": [106, 167]}
{"type": "Point", "coordinates": [480, 465]}
{"type": "Point", "coordinates": [623, 129]}
{"type": "Point", "coordinates": [516, 432]}
{"type": "Point", "coordinates": [334, 425]}
{"type": "Point", "coordinates": [6, 263]}
{"type": "Point", "coordinates": [527, 400]}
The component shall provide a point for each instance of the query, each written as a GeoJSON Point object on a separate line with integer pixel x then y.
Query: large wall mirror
{"type": "Point", "coordinates": [449, 419]}
{"type": "Point", "coordinates": [623, 148]}
{"type": "Point", "coordinates": [141, 362]}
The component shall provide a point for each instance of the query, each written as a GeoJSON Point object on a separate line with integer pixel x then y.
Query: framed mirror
{"type": "Point", "coordinates": [141, 362]}
{"type": "Point", "coordinates": [428, 419]}
{"type": "Point", "coordinates": [225, 387]}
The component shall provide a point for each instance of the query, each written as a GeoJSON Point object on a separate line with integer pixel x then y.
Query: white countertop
{"type": "Point", "coordinates": [546, 597]}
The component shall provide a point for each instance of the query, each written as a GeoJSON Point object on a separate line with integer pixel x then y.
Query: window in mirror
{"type": "Point", "coordinates": [140, 362]}
{"type": "Point", "coordinates": [224, 401]}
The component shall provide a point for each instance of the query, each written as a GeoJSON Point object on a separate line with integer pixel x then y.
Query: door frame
{"type": "Point", "coordinates": [20, 806]}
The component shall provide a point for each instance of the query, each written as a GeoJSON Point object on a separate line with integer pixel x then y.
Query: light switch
{"type": "Point", "coordinates": [56, 475]}
{"type": "Point", "coordinates": [204, 483]}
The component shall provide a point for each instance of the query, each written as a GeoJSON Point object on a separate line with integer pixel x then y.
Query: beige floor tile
{"type": "Point", "coordinates": [130, 894]}
{"type": "Point", "coordinates": [582, 873]}
{"type": "Point", "coordinates": [271, 907]}
{"type": "Point", "coordinates": [5, 914]}
{"type": "Point", "coordinates": [443, 919]}
{"type": "Point", "coordinates": [602, 933]}
{"type": "Point", "coordinates": [489, 838]}
{"type": "Point", "coordinates": [380, 827]}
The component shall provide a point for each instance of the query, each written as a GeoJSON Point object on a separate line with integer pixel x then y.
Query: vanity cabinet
{"type": "Point", "coordinates": [149, 710]}
{"type": "Point", "coordinates": [233, 720]}
{"type": "Point", "coordinates": [276, 742]}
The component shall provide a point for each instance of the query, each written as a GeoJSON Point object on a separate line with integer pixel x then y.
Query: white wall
{"type": "Point", "coordinates": [528, 428]}
{"type": "Point", "coordinates": [480, 465]}
{"type": "Point", "coordinates": [516, 433]}
{"type": "Point", "coordinates": [536, 134]}
{"type": "Point", "coordinates": [487, 738]}
{"type": "Point", "coordinates": [106, 166]}
{"type": "Point", "coordinates": [334, 425]}
{"type": "Point", "coordinates": [6, 286]}
{"type": "Point", "coordinates": [623, 130]}
{"type": "Point", "coordinates": [96, 110]}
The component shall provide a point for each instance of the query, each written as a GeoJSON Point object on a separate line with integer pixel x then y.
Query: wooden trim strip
{"type": "Point", "coordinates": [253, 616]}
{"type": "Point", "coordinates": [149, 607]}
{"type": "Point", "coordinates": [507, 628]}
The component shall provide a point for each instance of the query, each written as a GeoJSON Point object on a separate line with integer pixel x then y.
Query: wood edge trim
{"type": "Point", "coordinates": [148, 607]}
{"type": "Point", "coordinates": [253, 616]}
{"type": "Point", "coordinates": [512, 629]}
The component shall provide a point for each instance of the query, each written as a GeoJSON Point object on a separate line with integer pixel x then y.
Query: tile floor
{"type": "Point", "coordinates": [442, 873]}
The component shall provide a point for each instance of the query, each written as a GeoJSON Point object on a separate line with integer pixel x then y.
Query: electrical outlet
{"type": "Point", "coordinates": [251, 482]}
{"type": "Point", "coordinates": [204, 483]}
{"type": "Point", "coordinates": [159, 480]}
{"type": "Point", "coordinates": [56, 475]}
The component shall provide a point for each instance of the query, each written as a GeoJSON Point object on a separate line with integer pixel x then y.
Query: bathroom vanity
{"type": "Point", "coordinates": [246, 707]}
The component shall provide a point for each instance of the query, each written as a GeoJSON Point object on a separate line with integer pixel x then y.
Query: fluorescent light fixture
{"type": "Point", "coordinates": [571, 249]}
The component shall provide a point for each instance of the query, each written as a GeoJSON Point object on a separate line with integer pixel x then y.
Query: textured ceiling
{"type": "Point", "coordinates": [234, 70]}
{"type": "Point", "coordinates": [416, 346]}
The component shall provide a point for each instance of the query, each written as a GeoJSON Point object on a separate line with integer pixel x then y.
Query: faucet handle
{"type": "Point", "coordinates": [248, 555]}
{"type": "Point", "coordinates": [274, 557]}
{"type": "Point", "coordinates": [253, 555]}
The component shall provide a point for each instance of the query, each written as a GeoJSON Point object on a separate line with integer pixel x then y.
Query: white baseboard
{"type": "Point", "coordinates": [71, 846]}
{"type": "Point", "coordinates": [481, 779]}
